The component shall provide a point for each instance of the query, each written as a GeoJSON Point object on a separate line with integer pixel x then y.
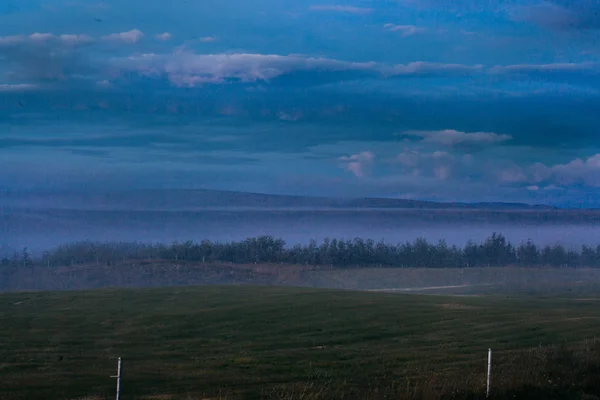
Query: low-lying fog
{"type": "Point", "coordinates": [40, 229]}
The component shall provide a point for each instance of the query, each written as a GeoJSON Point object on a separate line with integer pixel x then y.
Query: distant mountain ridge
{"type": "Point", "coordinates": [197, 199]}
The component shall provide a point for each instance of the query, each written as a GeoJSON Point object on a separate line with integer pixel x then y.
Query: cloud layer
{"type": "Point", "coordinates": [430, 99]}
{"type": "Point", "coordinates": [451, 137]}
{"type": "Point", "coordinates": [358, 164]}
{"type": "Point", "coordinates": [342, 9]}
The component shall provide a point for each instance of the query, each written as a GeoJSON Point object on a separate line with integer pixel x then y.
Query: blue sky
{"type": "Point", "coordinates": [449, 100]}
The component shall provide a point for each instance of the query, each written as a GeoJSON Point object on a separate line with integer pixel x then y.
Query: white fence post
{"type": "Point", "coordinates": [118, 376]}
{"type": "Point", "coordinates": [489, 372]}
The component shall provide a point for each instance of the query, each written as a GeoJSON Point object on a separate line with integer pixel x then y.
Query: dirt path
{"type": "Point", "coordinates": [418, 289]}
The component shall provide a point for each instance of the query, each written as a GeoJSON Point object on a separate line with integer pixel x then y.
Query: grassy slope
{"type": "Point", "coordinates": [385, 278]}
{"type": "Point", "coordinates": [251, 340]}
{"type": "Point", "coordinates": [162, 273]}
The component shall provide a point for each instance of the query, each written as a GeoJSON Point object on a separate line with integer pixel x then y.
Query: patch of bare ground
{"type": "Point", "coordinates": [456, 306]}
{"type": "Point", "coordinates": [418, 289]}
{"type": "Point", "coordinates": [182, 397]}
{"type": "Point", "coordinates": [89, 398]}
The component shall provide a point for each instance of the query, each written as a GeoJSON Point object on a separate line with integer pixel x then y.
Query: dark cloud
{"type": "Point", "coordinates": [552, 14]}
{"type": "Point", "coordinates": [50, 58]}
{"type": "Point", "coordinates": [454, 138]}
{"type": "Point", "coordinates": [562, 14]}
{"type": "Point", "coordinates": [42, 61]}
{"type": "Point", "coordinates": [289, 119]}
{"type": "Point", "coordinates": [95, 141]}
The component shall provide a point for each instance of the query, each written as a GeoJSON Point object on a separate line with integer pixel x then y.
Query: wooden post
{"type": "Point", "coordinates": [118, 376]}
{"type": "Point", "coordinates": [489, 372]}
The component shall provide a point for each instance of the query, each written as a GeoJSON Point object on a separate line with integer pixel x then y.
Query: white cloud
{"type": "Point", "coordinates": [546, 68]}
{"type": "Point", "coordinates": [164, 36]}
{"type": "Point", "coordinates": [44, 38]}
{"type": "Point", "coordinates": [585, 171]}
{"type": "Point", "coordinates": [16, 87]}
{"type": "Point", "coordinates": [409, 158]}
{"type": "Point", "coordinates": [442, 172]}
{"type": "Point", "coordinates": [358, 164]}
{"type": "Point", "coordinates": [133, 36]}
{"type": "Point", "coordinates": [578, 171]}
{"type": "Point", "coordinates": [451, 137]}
{"type": "Point", "coordinates": [438, 164]}
{"type": "Point", "coordinates": [512, 175]}
{"type": "Point", "coordinates": [432, 69]}
{"type": "Point", "coordinates": [342, 9]}
{"type": "Point", "coordinates": [11, 40]}
{"type": "Point", "coordinates": [188, 69]}
{"type": "Point", "coordinates": [406, 30]}
{"type": "Point", "coordinates": [551, 187]}
{"type": "Point", "coordinates": [289, 116]}
{"type": "Point", "coordinates": [76, 39]}
{"type": "Point", "coordinates": [41, 37]}
{"type": "Point", "coordinates": [440, 154]}
{"type": "Point", "coordinates": [207, 39]}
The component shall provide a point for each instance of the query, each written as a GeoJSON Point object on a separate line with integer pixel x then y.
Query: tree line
{"type": "Point", "coordinates": [495, 251]}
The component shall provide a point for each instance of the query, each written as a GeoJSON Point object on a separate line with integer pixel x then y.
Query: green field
{"type": "Point", "coordinates": [282, 343]}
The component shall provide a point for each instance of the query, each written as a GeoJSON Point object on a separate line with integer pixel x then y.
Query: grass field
{"type": "Point", "coordinates": [157, 273]}
{"type": "Point", "coordinates": [287, 343]}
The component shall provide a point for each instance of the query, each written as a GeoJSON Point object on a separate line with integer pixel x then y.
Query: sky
{"type": "Point", "coordinates": [445, 100]}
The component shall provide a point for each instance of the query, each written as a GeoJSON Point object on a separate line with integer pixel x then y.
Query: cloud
{"type": "Point", "coordinates": [422, 68]}
{"type": "Point", "coordinates": [163, 36]}
{"type": "Point", "coordinates": [104, 83]}
{"type": "Point", "coordinates": [550, 14]}
{"type": "Point", "coordinates": [76, 39]}
{"type": "Point", "coordinates": [48, 57]}
{"type": "Point", "coordinates": [442, 172]}
{"type": "Point", "coordinates": [187, 69]}
{"type": "Point", "coordinates": [44, 39]}
{"type": "Point", "coordinates": [567, 77]}
{"type": "Point", "coordinates": [575, 172]}
{"type": "Point", "coordinates": [554, 68]}
{"type": "Point", "coordinates": [342, 9]}
{"type": "Point", "coordinates": [17, 87]}
{"type": "Point", "coordinates": [100, 5]}
{"type": "Point", "coordinates": [207, 39]}
{"type": "Point", "coordinates": [358, 164]}
{"type": "Point", "coordinates": [133, 36]}
{"type": "Point", "coordinates": [586, 171]}
{"type": "Point", "coordinates": [438, 164]}
{"type": "Point", "coordinates": [409, 158]}
{"type": "Point", "coordinates": [12, 40]}
{"type": "Point", "coordinates": [560, 14]}
{"type": "Point", "coordinates": [512, 175]}
{"type": "Point", "coordinates": [451, 137]}
{"type": "Point", "coordinates": [406, 30]}
{"type": "Point", "coordinates": [43, 57]}
{"type": "Point", "coordinates": [293, 116]}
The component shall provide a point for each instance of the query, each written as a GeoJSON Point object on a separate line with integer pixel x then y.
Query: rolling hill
{"type": "Point", "coordinates": [216, 199]}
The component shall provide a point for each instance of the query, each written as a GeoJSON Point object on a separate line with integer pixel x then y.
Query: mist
{"type": "Point", "coordinates": [42, 229]}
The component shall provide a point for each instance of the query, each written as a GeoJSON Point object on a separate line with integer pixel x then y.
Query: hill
{"type": "Point", "coordinates": [216, 199]}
